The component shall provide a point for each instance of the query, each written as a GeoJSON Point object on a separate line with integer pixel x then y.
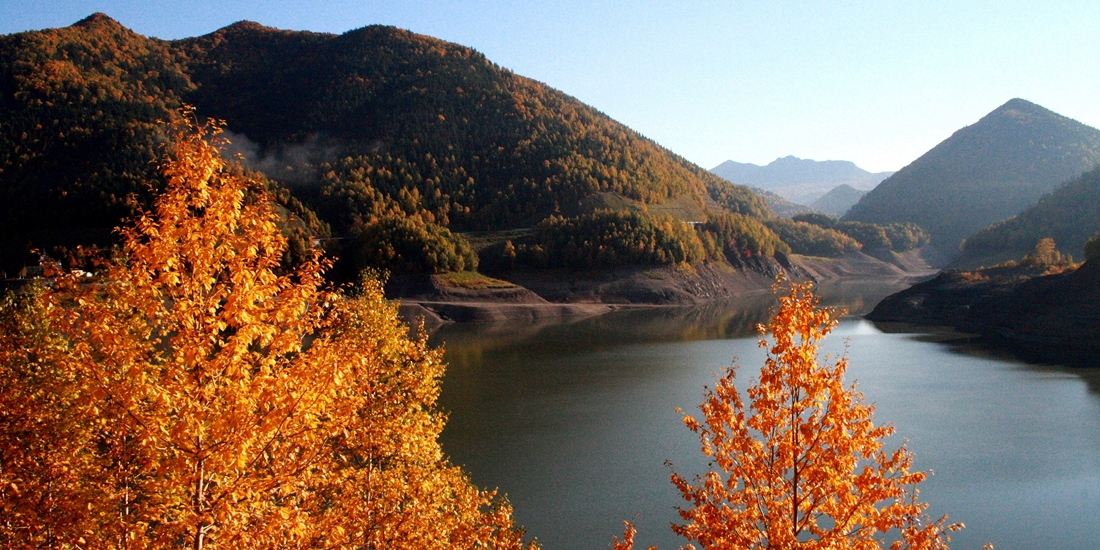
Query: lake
{"type": "Point", "coordinates": [575, 419]}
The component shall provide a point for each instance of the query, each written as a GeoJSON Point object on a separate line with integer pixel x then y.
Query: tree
{"type": "Point", "coordinates": [804, 467]}
{"type": "Point", "coordinates": [190, 395]}
{"type": "Point", "coordinates": [1046, 254]}
{"type": "Point", "coordinates": [1092, 247]}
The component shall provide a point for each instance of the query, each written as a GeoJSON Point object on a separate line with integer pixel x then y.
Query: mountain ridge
{"type": "Point", "coordinates": [413, 135]}
{"type": "Point", "coordinates": [839, 200]}
{"type": "Point", "coordinates": [799, 180]}
{"type": "Point", "coordinates": [1070, 215]}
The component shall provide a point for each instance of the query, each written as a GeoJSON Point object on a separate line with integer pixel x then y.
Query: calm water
{"type": "Point", "coordinates": [575, 420]}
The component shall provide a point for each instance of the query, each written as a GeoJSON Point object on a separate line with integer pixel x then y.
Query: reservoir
{"type": "Point", "coordinates": [575, 419]}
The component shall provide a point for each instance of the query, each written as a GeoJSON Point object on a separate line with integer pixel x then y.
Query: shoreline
{"type": "Point", "coordinates": [541, 296]}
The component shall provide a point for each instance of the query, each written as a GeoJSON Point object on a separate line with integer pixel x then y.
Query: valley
{"type": "Point", "coordinates": [278, 283]}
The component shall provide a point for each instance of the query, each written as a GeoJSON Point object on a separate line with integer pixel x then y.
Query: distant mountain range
{"type": "Point", "coordinates": [799, 180]}
{"type": "Point", "coordinates": [984, 173]}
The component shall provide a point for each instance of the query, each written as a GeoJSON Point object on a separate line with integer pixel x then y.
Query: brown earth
{"type": "Point", "coordinates": [546, 294]}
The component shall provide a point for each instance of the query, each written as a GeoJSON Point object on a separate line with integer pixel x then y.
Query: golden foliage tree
{"type": "Point", "coordinates": [191, 395]}
{"type": "Point", "coordinates": [804, 466]}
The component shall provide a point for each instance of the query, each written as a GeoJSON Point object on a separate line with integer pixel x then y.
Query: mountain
{"type": "Point", "coordinates": [839, 200]}
{"type": "Point", "coordinates": [781, 206]}
{"type": "Point", "coordinates": [1070, 215]}
{"type": "Point", "coordinates": [799, 180]}
{"type": "Point", "coordinates": [381, 134]}
{"type": "Point", "coordinates": [984, 173]}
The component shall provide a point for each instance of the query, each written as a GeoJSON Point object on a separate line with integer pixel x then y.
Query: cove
{"type": "Point", "coordinates": [575, 419]}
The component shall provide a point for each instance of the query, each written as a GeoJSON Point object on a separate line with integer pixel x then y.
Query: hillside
{"type": "Point", "coordinates": [398, 152]}
{"type": "Point", "coordinates": [78, 131]}
{"type": "Point", "coordinates": [983, 173]}
{"type": "Point", "coordinates": [838, 201]}
{"type": "Point", "coordinates": [388, 136]}
{"type": "Point", "coordinates": [1070, 215]}
{"type": "Point", "coordinates": [799, 180]}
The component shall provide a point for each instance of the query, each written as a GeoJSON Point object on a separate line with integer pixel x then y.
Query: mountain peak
{"type": "Point", "coordinates": [1017, 104]}
{"type": "Point", "coordinates": [246, 26]}
{"type": "Point", "coordinates": [984, 173]}
{"type": "Point", "coordinates": [1021, 110]}
{"type": "Point", "coordinates": [797, 179]}
{"type": "Point", "coordinates": [97, 19]}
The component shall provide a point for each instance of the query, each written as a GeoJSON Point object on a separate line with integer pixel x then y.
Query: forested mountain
{"type": "Point", "coordinates": [78, 131]}
{"type": "Point", "coordinates": [387, 135]}
{"type": "Point", "coordinates": [839, 200]}
{"type": "Point", "coordinates": [799, 180]}
{"type": "Point", "coordinates": [1070, 215]}
{"type": "Point", "coordinates": [984, 173]}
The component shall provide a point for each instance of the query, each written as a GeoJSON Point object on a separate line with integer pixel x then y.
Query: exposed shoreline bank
{"type": "Point", "coordinates": [546, 295]}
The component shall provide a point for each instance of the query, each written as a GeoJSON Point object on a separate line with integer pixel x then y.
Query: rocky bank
{"type": "Point", "coordinates": [1040, 317]}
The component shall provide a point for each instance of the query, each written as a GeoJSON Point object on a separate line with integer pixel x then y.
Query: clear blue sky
{"type": "Point", "coordinates": [875, 82]}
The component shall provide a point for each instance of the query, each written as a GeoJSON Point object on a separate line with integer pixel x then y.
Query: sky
{"type": "Point", "coordinates": [874, 82]}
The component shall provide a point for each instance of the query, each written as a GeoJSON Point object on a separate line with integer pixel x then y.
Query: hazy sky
{"type": "Point", "coordinates": [875, 82]}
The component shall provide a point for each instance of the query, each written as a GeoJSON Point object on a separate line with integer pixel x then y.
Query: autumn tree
{"type": "Point", "coordinates": [803, 467]}
{"type": "Point", "coordinates": [190, 394]}
{"type": "Point", "coordinates": [1046, 254]}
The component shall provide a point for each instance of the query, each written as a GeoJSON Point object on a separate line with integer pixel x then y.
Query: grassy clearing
{"type": "Point", "coordinates": [471, 280]}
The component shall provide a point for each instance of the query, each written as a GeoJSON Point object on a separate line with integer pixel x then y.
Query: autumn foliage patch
{"type": "Point", "coordinates": [190, 394]}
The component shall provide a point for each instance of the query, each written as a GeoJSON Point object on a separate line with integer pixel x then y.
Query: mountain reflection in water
{"type": "Point", "coordinates": [574, 419]}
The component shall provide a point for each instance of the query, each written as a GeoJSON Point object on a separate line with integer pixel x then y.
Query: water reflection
{"type": "Point", "coordinates": [973, 345]}
{"type": "Point", "coordinates": [734, 318]}
{"type": "Point", "coordinates": [575, 419]}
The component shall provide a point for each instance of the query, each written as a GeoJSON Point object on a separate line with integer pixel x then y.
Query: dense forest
{"type": "Point", "coordinates": [371, 135]}
{"type": "Point", "coordinates": [1070, 215]}
{"type": "Point", "coordinates": [821, 235]}
{"type": "Point", "coordinates": [983, 173]}
{"type": "Point", "coordinates": [193, 395]}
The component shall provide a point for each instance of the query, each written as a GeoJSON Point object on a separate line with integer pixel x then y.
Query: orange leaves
{"type": "Point", "coordinates": [197, 396]}
{"type": "Point", "coordinates": [804, 466]}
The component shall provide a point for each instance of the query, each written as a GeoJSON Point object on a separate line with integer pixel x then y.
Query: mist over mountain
{"type": "Point", "coordinates": [984, 173]}
{"type": "Point", "coordinates": [799, 180]}
{"type": "Point", "coordinates": [781, 206]}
